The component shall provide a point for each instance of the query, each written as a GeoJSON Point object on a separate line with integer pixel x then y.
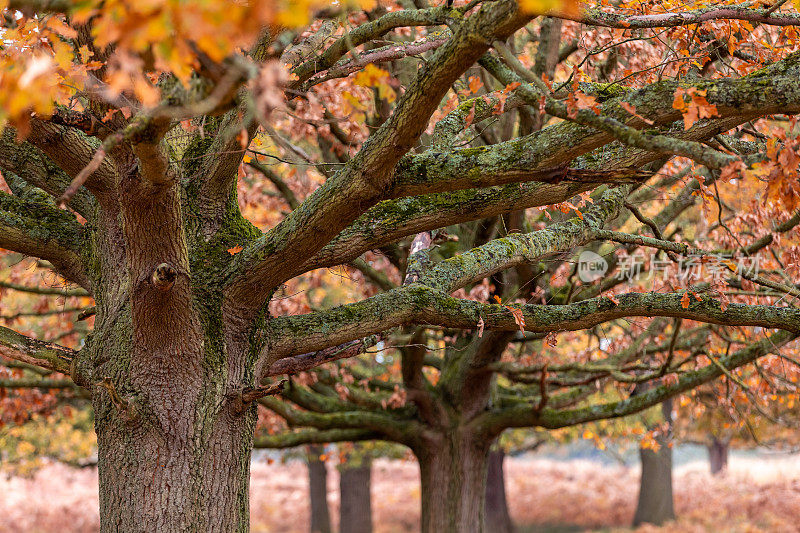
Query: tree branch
{"type": "Point", "coordinates": [46, 291]}
{"type": "Point", "coordinates": [597, 17]}
{"type": "Point", "coordinates": [392, 428]}
{"type": "Point", "coordinates": [314, 436]}
{"type": "Point", "coordinates": [43, 231]}
{"type": "Point", "coordinates": [417, 304]}
{"type": "Point", "coordinates": [362, 182]}
{"type": "Point", "coordinates": [523, 416]}
{"type": "Point", "coordinates": [35, 168]}
{"type": "Point", "coordinates": [54, 357]}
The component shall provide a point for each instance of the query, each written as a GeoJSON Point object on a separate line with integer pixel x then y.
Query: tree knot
{"type": "Point", "coordinates": [164, 276]}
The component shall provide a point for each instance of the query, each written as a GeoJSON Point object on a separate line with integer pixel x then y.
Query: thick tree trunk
{"type": "Point", "coordinates": [718, 455]}
{"type": "Point", "coordinates": [355, 507]}
{"type": "Point", "coordinates": [173, 451]}
{"type": "Point", "coordinates": [318, 491]}
{"type": "Point", "coordinates": [497, 519]}
{"type": "Point", "coordinates": [655, 505]}
{"type": "Point", "coordinates": [165, 362]}
{"type": "Point", "coordinates": [163, 483]}
{"type": "Point", "coordinates": [453, 483]}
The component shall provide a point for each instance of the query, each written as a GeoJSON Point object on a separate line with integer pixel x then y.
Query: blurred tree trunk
{"type": "Point", "coordinates": [355, 509]}
{"type": "Point", "coordinates": [718, 455]}
{"type": "Point", "coordinates": [497, 517]}
{"type": "Point", "coordinates": [655, 505]}
{"type": "Point", "coordinates": [318, 491]}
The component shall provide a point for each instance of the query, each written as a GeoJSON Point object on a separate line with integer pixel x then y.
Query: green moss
{"type": "Point", "coordinates": [41, 221]}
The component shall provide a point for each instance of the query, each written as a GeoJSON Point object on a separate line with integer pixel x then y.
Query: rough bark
{"type": "Point", "coordinates": [718, 455]}
{"type": "Point", "coordinates": [181, 327]}
{"type": "Point", "coordinates": [453, 477]}
{"type": "Point", "coordinates": [655, 504]}
{"type": "Point", "coordinates": [355, 505]}
{"type": "Point", "coordinates": [318, 491]}
{"type": "Point", "coordinates": [172, 454]}
{"type": "Point", "coordinates": [497, 519]}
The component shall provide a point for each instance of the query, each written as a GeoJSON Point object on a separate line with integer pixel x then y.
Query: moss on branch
{"type": "Point", "coordinates": [46, 355]}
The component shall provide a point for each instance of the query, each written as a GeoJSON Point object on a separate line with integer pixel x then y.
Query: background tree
{"type": "Point", "coordinates": [130, 133]}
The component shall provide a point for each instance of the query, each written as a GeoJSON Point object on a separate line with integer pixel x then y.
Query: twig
{"type": "Point", "coordinates": [299, 363]}
{"type": "Point", "coordinates": [243, 398]}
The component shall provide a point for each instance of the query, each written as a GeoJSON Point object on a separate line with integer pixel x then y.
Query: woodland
{"type": "Point", "coordinates": [241, 236]}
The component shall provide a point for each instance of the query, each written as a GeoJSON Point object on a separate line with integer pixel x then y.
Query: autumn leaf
{"type": "Point", "coordinates": [630, 108]}
{"type": "Point", "coordinates": [551, 339]}
{"type": "Point", "coordinates": [480, 327]}
{"type": "Point", "coordinates": [372, 76]}
{"type": "Point", "coordinates": [538, 7]}
{"type": "Point", "coordinates": [695, 108]}
{"type": "Point", "coordinates": [475, 84]}
{"type": "Point", "coordinates": [685, 300]}
{"type": "Point", "coordinates": [470, 117]}
{"type": "Point", "coordinates": [235, 250]}
{"type": "Point", "coordinates": [519, 317]}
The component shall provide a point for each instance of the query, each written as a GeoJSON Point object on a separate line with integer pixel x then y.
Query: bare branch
{"type": "Point", "coordinates": [523, 416]}
{"type": "Point", "coordinates": [314, 436]}
{"type": "Point", "coordinates": [54, 357]}
{"type": "Point", "coordinates": [47, 291]}
{"type": "Point", "coordinates": [670, 20]}
{"type": "Point", "coordinates": [361, 183]}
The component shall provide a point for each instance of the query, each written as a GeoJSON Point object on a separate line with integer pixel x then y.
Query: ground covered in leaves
{"type": "Point", "coordinates": [545, 495]}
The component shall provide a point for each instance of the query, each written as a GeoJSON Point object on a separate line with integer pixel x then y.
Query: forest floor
{"type": "Point", "coordinates": [546, 496]}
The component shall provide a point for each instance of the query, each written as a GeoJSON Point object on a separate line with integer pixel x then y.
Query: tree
{"type": "Point", "coordinates": [655, 504]}
{"type": "Point", "coordinates": [139, 124]}
{"type": "Point", "coordinates": [355, 504]}
{"type": "Point", "coordinates": [318, 490]}
{"type": "Point", "coordinates": [497, 517]}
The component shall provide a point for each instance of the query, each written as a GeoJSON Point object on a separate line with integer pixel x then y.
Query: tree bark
{"type": "Point", "coordinates": [173, 448]}
{"type": "Point", "coordinates": [718, 455]}
{"type": "Point", "coordinates": [318, 491]}
{"type": "Point", "coordinates": [355, 507]}
{"type": "Point", "coordinates": [498, 519]}
{"type": "Point", "coordinates": [163, 483]}
{"type": "Point", "coordinates": [655, 505]}
{"type": "Point", "coordinates": [453, 483]}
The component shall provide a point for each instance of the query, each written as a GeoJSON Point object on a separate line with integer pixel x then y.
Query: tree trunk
{"type": "Point", "coordinates": [453, 483]}
{"type": "Point", "coordinates": [355, 507]}
{"type": "Point", "coordinates": [655, 505]}
{"type": "Point", "coordinates": [173, 448]}
{"type": "Point", "coordinates": [718, 455]}
{"type": "Point", "coordinates": [154, 481]}
{"type": "Point", "coordinates": [498, 519]}
{"type": "Point", "coordinates": [318, 491]}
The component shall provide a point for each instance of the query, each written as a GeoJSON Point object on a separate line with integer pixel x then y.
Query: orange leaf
{"type": "Point", "coordinates": [475, 84]}
{"type": "Point", "coordinates": [235, 250]}
{"type": "Point", "coordinates": [685, 300]}
{"type": "Point", "coordinates": [519, 317]}
{"type": "Point", "coordinates": [470, 117]}
{"type": "Point", "coordinates": [630, 108]}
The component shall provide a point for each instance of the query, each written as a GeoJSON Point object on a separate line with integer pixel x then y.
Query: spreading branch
{"type": "Point", "coordinates": [46, 355]}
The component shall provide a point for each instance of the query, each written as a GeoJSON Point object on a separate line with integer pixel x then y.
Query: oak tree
{"type": "Point", "coordinates": [135, 162]}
